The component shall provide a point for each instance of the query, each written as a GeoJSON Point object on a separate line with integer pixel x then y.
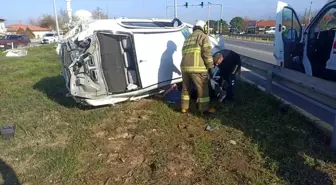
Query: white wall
{"type": "Point", "coordinates": [39, 34]}
{"type": "Point", "coordinates": [2, 28]}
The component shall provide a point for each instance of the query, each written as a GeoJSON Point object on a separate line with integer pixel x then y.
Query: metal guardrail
{"type": "Point", "coordinates": [256, 37]}
{"type": "Point", "coordinates": [320, 90]}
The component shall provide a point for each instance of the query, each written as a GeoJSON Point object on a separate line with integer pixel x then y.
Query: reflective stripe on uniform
{"type": "Point", "coordinates": [204, 100]}
{"type": "Point", "coordinates": [185, 97]}
{"type": "Point", "coordinates": [194, 69]}
{"type": "Point", "coordinates": [207, 45]}
{"type": "Point", "coordinates": [234, 71]}
{"type": "Point", "coordinates": [192, 50]}
{"type": "Point", "coordinates": [196, 59]}
{"type": "Point", "coordinates": [190, 41]}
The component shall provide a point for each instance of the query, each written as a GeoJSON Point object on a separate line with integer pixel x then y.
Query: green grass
{"type": "Point", "coordinates": [148, 142]}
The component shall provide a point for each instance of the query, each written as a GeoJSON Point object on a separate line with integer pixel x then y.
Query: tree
{"type": "Point", "coordinates": [215, 24]}
{"type": "Point", "coordinates": [63, 20]}
{"type": "Point", "coordinates": [237, 22]}
{"type": "Point", "coordinates": [225, 26]}
{"type": "Point", "coordinates": [99, 14]}
{"type": "Point", "coordinates": [47, 21]}
{"type": "Point", "coordinates": [245, 24]}
{"type": "Point", "coordinates": [33, 22]}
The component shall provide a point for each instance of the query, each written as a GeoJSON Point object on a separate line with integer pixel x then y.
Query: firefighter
{"type": "Point", "coordinates": [196, 65]}
{"type": "Point", "coordinates": [229, 64]}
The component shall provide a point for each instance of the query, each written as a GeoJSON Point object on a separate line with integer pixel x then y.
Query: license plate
{"type": "Point", "coordinates": [2, 46]}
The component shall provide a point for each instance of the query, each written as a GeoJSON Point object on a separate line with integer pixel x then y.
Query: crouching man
{"type": "Point", "coordinates": [228, 63]}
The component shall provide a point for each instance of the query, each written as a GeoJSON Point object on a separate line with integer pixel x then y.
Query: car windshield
{"type": "Point", "coordinates": [49, 35]}
{"type": "Point", "coordinates": [11, 37]}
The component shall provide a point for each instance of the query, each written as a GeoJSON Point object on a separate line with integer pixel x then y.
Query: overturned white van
{"type": "Point", "coordinates": [115, 60]}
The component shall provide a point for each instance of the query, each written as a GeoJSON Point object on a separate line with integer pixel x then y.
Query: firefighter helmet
{"type": "Point", "coordinates": [202, 25]}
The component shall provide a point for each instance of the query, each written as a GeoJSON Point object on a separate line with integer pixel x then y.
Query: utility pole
{"type": "Point", "coordinates": [69, 11]}
{"type": "Point", "coordinates": [221, 13]}
{"type": "Point", "coordinates": [166, 9]}
{"type": "Point", "coordinates": [175, 8]}
{"type": "Point", "coordinates": [57, 27]}
{"type": "Point", "coordinates": [304, 17]}
{"type": "Point", "coordinates": [99, 9]}
{"type": "Point", "coordinates": [107, 11]}
{"type": "Point", "coordinates": [221, 18]}
{"type": "Point", "coordinates": [309, 15]}
{"type": "Point", "coordinates": [208, 18]}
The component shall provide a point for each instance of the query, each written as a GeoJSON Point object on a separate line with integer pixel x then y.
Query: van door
{"type": "Point", "coordinates": [321, 43]}
{"type": "Point", "coordinates": [288, 49]}
{"type": "Point", "coordinates": [159, 56]}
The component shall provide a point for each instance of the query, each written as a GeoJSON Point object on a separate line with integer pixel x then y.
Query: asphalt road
{"type": "Point", "coordinates": [264, 52]}
{"type": "Point", "coordinates": [257, 50]}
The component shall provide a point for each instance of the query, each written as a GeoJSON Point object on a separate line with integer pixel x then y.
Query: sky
{"type": "Point", "coordinates": [22, 10]}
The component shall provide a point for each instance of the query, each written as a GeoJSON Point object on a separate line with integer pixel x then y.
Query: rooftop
{"type": "Point", "coordinates": [15, 27]}
{"type": "Point", "coordinates": [266, 23]}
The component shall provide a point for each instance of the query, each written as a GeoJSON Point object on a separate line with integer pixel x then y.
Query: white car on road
{"type": "Point", "coordinates": [271, 30]}
{"type": "Point", "coordinates": [49, 38]}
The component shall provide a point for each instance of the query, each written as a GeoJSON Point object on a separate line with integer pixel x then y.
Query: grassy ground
{"type": "Point", "coordinates": [147, 142]}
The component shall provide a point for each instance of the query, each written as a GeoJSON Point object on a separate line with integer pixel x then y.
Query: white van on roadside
{"type": "Point", "coordinates": [311, 50]}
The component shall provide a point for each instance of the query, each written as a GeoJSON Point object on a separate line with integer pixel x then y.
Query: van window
{"type": "Point", "coordinates": [142, 24]}
{"type": "Point", "coordinates": [291, 23]}
{"type": "Point", "coordinates": [327, 21]}
{"type": "Point", "coordinates": [11, 37]}
{"type": "Point", "coordinates": [49, 35]}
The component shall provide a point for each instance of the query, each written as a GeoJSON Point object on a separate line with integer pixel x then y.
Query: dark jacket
{"type": "Point", "coordinates": [230, 65]}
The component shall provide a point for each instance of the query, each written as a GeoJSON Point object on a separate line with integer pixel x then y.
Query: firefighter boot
{"type": "Point", "coordinates": [184, 110]}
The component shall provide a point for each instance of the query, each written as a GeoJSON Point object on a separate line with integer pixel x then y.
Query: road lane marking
{"type": "Point", "coordinates": [249, 49]}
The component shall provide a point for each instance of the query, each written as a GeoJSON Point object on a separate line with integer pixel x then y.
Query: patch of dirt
{"type": "Point", "coordinates": [131, 155]}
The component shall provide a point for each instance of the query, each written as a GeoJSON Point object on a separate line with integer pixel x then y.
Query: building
{"type": "Point", "coordinates": [264, 25]}
{"type": "Point", "coordinates": [2, 27]}
{"type": "Point", "coordinates": [250, 26]}
{"type": "Point", "coordinates": [32, 31]}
